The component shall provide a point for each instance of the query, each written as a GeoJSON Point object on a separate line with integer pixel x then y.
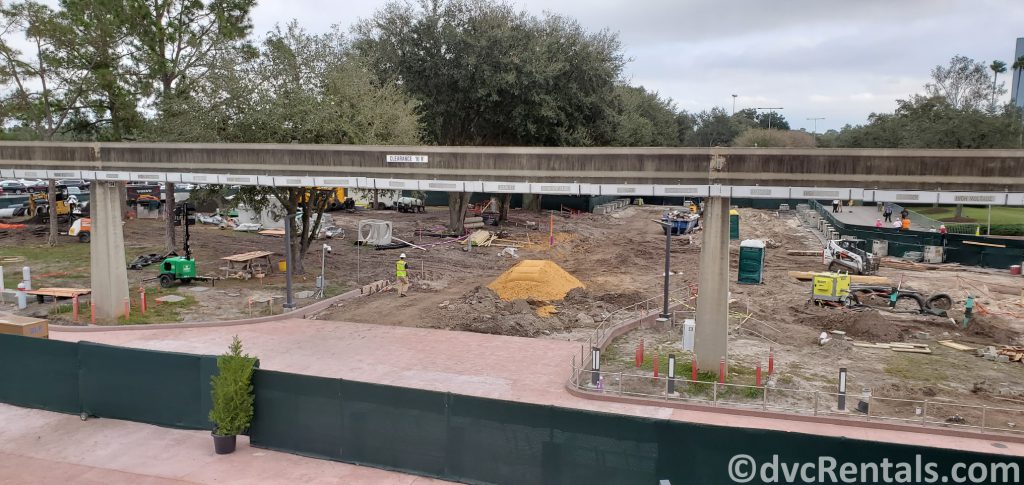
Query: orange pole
{"type": "Point", "coordinates": [127, 308]}
{"type": "Point", "coordinates": [74, 308]}
{"type": "Point", "coordinates": [142, 299]}
{"type": "Point", "coordinates": [92, 312]}
{"type": "Point", "coordinates": [551, 229]}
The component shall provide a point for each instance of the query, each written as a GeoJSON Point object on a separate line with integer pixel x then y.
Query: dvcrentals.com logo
{"type": "Point", "coordinates": [827, 469]}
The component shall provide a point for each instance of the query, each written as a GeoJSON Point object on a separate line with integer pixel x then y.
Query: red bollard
{"type": "Point", "coordinates": [758, 374]}
{"type": "Point", "coordinates": [771, 360]}
{"type": "Point", "coordinates": [92, 313]}
{"type": "Point", "coordinates": [638, 358]}
{"type": "Point", "coordinates": [721, 371]}
{"type": "Point", "coordinates": [142, 299]}
{"type": "Point", "coordinates": [74, 308]}
{"type": "Point", "coordinates": [127, 308]}
{"type": "Point", "coordinates": [655, 366]}
{"type": "Point", "coordinates": [693, 369]}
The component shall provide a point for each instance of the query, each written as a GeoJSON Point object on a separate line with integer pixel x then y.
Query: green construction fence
{"type": "Point", "coordinates": [480, 440]}
{"type": "Point", "coordinates": [163, 388]}
{"type": "Point", "coordinates": [431, 433]}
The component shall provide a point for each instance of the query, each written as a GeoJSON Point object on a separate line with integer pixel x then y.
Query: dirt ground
{"type": "Point", "coordinates": [619, 259]}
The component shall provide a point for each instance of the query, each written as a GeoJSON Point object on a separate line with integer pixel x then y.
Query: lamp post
{"type": "Point", "coordinates": [667, 225]}
{"type": "Point", "coordinates": [771, 111]}
{"type": "Point", "coordinates": [734, 104]}
{"type": "Point", "coordinates": [815, 132]}
{"type": "Point", "coordinates": [289, 302]}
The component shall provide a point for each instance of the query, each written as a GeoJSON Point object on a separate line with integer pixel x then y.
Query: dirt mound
{"type": "Point", "coordinates": [865, 325]}
{"type": "Point", "coordinates": [535, 279]}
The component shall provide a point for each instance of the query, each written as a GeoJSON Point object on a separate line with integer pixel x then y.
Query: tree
{"type": "Point", "coordinates": [486, 74]}
{"type": "Point", "coordinates": [294, 87]}
{"type": "Point", "coordinates": [997, 67]}
{"type": "Point", "coordinates": [772, 120]}
{"type": "Point", "coordinates": [717, 128]}
{"type": "Point", "coordinates": [172, 43]}
{"type": "Point", "coordinates": [644, 119]}
{"type": "Point", "coordinates": [964, 83]}
{"type": "Point", "coordinates": [40, 92]}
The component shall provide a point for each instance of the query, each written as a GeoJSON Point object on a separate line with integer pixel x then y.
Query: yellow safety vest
{"type": "Point", "coordinates": [400, 269]}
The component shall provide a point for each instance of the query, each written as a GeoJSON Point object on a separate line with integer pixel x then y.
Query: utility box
{"type": "Point", "coordinates": [24, 326]}
{"type": "Point", "coordinates": [751, 265]}
{"type": "Point", "coordinates": [734, 224]}
{"type": "Point", "coordinates": [830, 286]}
{"type": "Point", "coordinates": [689, 331]}
{"type": "Point", "coordinates": [933, 254]}
{"type": "Point", "coordinates": [880, 248]}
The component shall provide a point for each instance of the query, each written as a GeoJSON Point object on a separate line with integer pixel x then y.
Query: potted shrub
{"type": "Point", "coordinates": [232, 397]}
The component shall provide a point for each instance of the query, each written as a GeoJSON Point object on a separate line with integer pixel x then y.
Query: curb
{"type": "Point", "coordinates": [300, 313]}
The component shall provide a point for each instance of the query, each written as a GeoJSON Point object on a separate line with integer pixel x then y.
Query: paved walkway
{"type": "Point", "coordinates": [42, 448]}
{"type": "Point", "coordinates": [512, 368]}
{"type": "Point", "coordinates": [861, 215]}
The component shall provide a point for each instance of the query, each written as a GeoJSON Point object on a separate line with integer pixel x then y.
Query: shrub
{"type": "Point", "coordinates": [232, 391]}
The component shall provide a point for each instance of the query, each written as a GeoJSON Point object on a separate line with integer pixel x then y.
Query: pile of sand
{"type": "Point", "coordinates": [536, 279]}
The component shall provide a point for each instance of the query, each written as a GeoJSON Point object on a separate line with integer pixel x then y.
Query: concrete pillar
{"type": "Point", "coordinates": [712, 330]}
{"type": "Point", "coordinates": [109, 272]}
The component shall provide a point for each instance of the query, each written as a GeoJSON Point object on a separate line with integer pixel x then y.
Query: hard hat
{"type": "Point", "coordinates": [402, 256]}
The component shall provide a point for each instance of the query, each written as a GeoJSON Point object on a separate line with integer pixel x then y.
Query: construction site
{"type": "Point", "coordinates": [568, 275]}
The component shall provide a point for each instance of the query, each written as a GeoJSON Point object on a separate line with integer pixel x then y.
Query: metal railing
{"type": "Point", "coordinates": [864, 405]}
{"type": "Point", "coordinates": [641, 309]}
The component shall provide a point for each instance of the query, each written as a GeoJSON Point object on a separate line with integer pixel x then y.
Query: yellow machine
{"type": "Point", "coordinates": [831, 287]}
{"type": "Point", "coordinates": [39, 206]}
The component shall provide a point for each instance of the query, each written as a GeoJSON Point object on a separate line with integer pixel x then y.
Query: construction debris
{"type": "Point", "coordinates": [802, 252]}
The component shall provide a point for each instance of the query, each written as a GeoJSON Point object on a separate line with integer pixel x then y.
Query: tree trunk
{"type": "Point", "coordinates": [51, 197]}
{"type": "Point", "coordinates": [376, 199]}
{"type": "Point", "coordinates": [295, 245]}
{"type": "Point", "coordinates": [458, 202]}
{"type": "Point", "coordinates": [122, 193]}
{"type": "Point", "coordinates": [506, 204]}
{"type": "Point", "coordinates": [169, 233]}
{"type": "Point", "coordinates": [532, 202]}
{"type": "Point", "coordinates": [959, 211]}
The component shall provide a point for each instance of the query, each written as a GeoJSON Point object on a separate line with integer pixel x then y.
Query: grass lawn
{"type": "Point", "coordinates": [1000, 214]}
{"type": "Point", "coordinates": [65, 264]}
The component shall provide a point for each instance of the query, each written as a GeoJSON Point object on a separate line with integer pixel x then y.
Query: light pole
{"type": "Point", "coordinates": [734, 104]}
{"type": "Point", "coordinates": [289, 302]}
{"type": "Point", "coordinates": [771, 112]}
{"type": "Point", "coordinates": [815, 132]}
{"type": "Point", "coordinates": [667, 225]}
{"type": "Point", "coordinates": [321, 283]}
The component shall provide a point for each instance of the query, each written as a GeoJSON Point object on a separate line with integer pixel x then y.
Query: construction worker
{"type": "Point", "coordinates": [905, 223]}
{"type": "Point", "coordinates": [402, 275]}
{"type": "Point", "coordinates": [942, 233]}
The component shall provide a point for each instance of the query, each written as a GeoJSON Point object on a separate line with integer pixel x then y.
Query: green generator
{"type": "Point", "coordinates": [751, 266]}
{"type": "Point", "coordinates": [180, 268]}
{"type": "Point", "coordinates": [177, 268]}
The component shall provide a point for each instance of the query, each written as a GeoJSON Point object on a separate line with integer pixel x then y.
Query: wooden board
{"type": "Point", "coordinates": [60, 292]}
{"type": "Point", "coordinates": [976, 243]}
{"type": "Point", "coordinates": [953, 345]}
{"type": "Point", "coordinates": [796, 252]}
{"type": "Point", "coordinates": [912, 351]}
{"type": "Point", "coordinates": [271, 232]}
{"type": "Point", "coordinates": [243, 257]}
{"type": "Point", "coordinates": [907, 344]}
{"type": "Point", "coordinates": [868, 280]}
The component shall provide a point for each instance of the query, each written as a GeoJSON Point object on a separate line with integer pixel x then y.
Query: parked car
{"type": "Point", "coordinates": [13, 187]}
{"type": "Point", "coordinates": [185, 187]}
{"type": "Point", "coordinates": [40, 186]}
{"type": "Point", "coordinates": [81, 184]}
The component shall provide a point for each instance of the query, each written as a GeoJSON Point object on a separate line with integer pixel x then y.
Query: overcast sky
{"type": "Point", "coordinates": [837, 59]}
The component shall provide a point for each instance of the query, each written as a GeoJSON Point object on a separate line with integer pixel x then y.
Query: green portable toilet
{"type": "Point", "coordinates": [751, 267]}
{"type": "Point", "coordinates": [734, 224]}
